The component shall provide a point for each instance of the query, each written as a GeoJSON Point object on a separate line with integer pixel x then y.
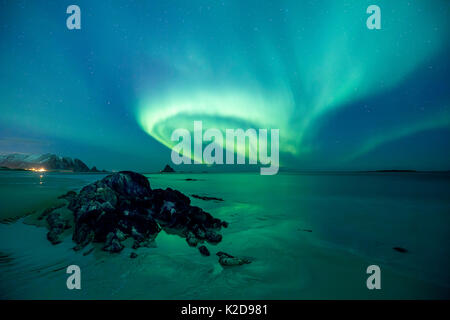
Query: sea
{"type": "Point", "coordinates": [309, 235]}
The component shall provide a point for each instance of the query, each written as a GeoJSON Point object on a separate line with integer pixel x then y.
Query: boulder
{"type": "Point", "coordinates": [54, 236]}
{"type": "Point", "coordinates": [133, 255]}
{"type": "Point", "coordinates": [112, 243]}
{"type": "Point", "coordinates": [213, 237]}
{"type": "Point", "coordinates": [400, 249]}
{"type": "Point", "coordinates": [228, 260]}
{"type": "Point", "coordinates": [56, 225]}
{"type": "Point", "coordinates": [204, 251]}
{"type": "Point", "coordinates": [191, 239]}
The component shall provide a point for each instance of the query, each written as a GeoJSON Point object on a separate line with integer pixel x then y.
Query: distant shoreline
{"type": "Point", "coordinates": [6, 169]}
{"type": "Point", "coordinates": [11, 169]}
{"type": "Point", "coordinates": [306, 172]}
{"type": "Point", "coordinates": [56, 170]}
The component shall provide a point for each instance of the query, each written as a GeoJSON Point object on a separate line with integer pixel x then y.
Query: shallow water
{"type": "Point", "coordinates": [309, 235]}
{"type": "Point", "coordinates": [23, 192]}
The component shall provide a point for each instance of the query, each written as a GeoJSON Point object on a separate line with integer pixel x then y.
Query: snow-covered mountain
{"type": "Point", "coordinates": [47, 161]}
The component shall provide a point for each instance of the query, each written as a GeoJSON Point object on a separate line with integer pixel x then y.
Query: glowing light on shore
{"type": "Point", "coordinates": [37, 169]}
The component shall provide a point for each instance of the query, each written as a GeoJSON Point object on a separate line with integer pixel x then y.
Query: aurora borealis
{"type": "Point", "coordinates": [344, 97]}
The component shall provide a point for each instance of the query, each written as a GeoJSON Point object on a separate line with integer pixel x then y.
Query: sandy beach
{"type": "Point", "coordinates": [297, 233]}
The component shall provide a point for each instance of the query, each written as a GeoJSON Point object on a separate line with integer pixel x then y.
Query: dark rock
{"type": "Point", "coordinates": [49, 210]}
{"type": "Point", "coordinates": [171, 195]}
{"type": "Point", "coordinates": [123, 205]}
{"type": "Point", "coordinates": [145, 239]}
{"type": "Point", "coordinates": [128, 184]}
{"type": "Point", "coordinates": [57, 225]}
{"type": "Point", "coordinates": [55, 222]}
{"type": "Point", "coordinates": [133, 255]}
{"type": "Point", "coordinates": [120, 235]}
{"type": "Point", "coordinates": [199, 232]}
{"type": "Point", "coordinates": [228, 260]}
{"type": "Point", "coordinates": [54, 236]}
{"type": "Point", "coordinates": [149, 243]}
{"type": "Point", "coordinates": [206, 198]}
{"type": "Point", "coordinates": [167, 169]}
{"type": "Point", "coordinates": [191, 239]}
{"type": "Point", "coordinates": [213, 237]}
{"type": "Point", "coordinates": [88, 251]}
{"type": "Point", "coordinates": [221, 253]}
{"type": "Point", "coordinates": [112, 243]}
{"type": "Point", "coordinates": [204, 250]}
{"type": "Point", "coordinates": [82, 235]}
{"type": "Point", "coordinates": [399, 249]}
{"type": "Point", "coordinates": [136, 244]}
{"type": "Point", "coordinates": [103, 206]}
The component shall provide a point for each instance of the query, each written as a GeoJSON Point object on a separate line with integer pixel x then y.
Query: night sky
{"type": "Point", "coordinates": [344, 97]}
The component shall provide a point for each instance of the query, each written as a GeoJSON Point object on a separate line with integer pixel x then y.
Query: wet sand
{"type": "Point", "coordinates": [303, 245]}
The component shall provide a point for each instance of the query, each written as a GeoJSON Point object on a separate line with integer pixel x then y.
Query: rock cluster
{"type": "Point", "coordinates": [123, 205]}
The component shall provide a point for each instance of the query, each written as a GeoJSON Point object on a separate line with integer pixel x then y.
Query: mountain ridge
{"type": "Point", "coordinates": [47, 161]}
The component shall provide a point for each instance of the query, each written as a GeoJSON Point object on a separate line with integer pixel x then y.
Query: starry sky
{"type": "Point", "coordinates": [343, 97]}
